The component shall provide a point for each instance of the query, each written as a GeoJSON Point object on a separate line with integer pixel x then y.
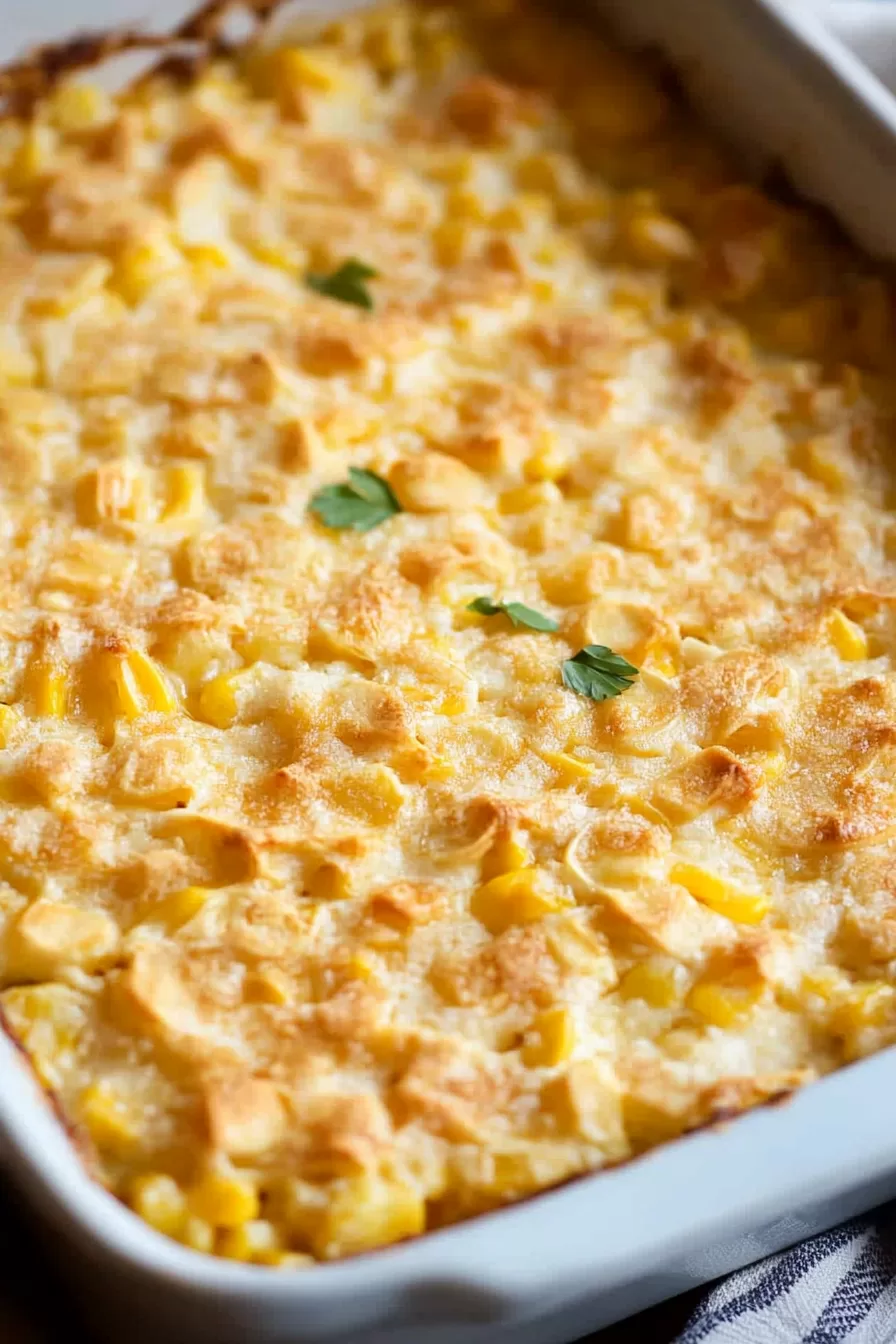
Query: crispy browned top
{"type": "Point", "coordinates": [326, 910]}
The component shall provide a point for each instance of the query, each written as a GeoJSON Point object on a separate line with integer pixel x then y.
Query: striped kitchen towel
{"type": "Point", "coordinates": [838, 1288]}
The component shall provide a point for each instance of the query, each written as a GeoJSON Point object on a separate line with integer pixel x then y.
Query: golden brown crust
{"type": "Point", "coordinates": [24, 82]}
{"type": "Point", "coordinates": [326, 910]}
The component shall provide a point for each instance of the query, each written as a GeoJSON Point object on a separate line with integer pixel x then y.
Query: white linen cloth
{"type": "Point", "coordinates": [837, 1288]}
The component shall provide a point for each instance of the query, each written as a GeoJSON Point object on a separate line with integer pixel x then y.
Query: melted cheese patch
{"type": "Point", "coordinates": [326, 911]}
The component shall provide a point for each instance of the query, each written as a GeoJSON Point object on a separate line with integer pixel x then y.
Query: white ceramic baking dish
{"type": "Point", "coordinates": [568, 1261]}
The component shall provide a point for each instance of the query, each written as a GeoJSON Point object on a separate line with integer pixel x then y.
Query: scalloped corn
{"type": "Point", "coordinates": [328, 913]}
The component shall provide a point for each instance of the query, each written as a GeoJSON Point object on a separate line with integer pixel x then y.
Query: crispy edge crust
{"type": "Point", "coordinates": [183, 52]}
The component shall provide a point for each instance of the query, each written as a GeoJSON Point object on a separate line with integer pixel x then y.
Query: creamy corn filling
{"type": "Point", "coordinates": [329, 911]}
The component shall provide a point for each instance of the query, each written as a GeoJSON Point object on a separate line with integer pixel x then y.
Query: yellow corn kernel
{"type": "Point", "coordinates": [453, 241]}
{"type": "Point", "coordinates": [207, 256]}
{"type": "Point", "coordinates": [113, 493]}
{"type": "Point", "coordinates": [442, 666]}
{"type": "Point", "coordinates": [46, 686]}
{"type": "Point", "coordinates": [827, 983]}
{"type": "Point", "coordinates": [185, 493]}
{"type": "Point", "coordinates": [548, 464]}
{"type": "Point", "coordinates": [217, 701]}
{"type": "Point", "coordinates": [274, 644]}
{"type": "Point", "coordinates": [33, 157]}
{"type": "Point", "coordinates": [318, 70]}
{"type": "Point", "coordinates": [268, 985]}
{"type": "Point", "coordinates": [762, 735]}
{"type": "Point", "coordinates": [223, 1200]}
{"type": "Point", "coordinates": [108, 433]}
{"type": "Point", "coordinates": [655, 984]}
{"type": "Point", "coordinates": [463, 619]}
{"type": "Point", "coordinates": [821, 460]}
{"type": "Point", "coordinates": [451, 166]}
{"type": "Point", "coordinates": [159, 1201]}
{"type": "Point", "coordinates": [452, 705]}
{"type": "Point", "coordinates": [17, 367]}
{"type": "Point", "coordinates": [195, 655]}
{"type": "Point", "coordinates": [544, 288]}
{"type": "Point", "coordinates": [278, 252]}
{"type": "Point", "coordinates": [569, 768]}
{"type": "Point", "coordinates": [514, 898]}
{"type": "Point", "coordinates": [366, 1211]}
{"type": "Point", "coordinates": [286, 1260]}
{"type": "Point", "coordinates": [109, 1121]}
{"type": "Point", "coordinates": [198, 1235]}
{"type": "Point", "coordinates": [177, 909]}
{"type": "Point", "coordinates": [328, 882]}
{"type": "Point", "coordinates": [528, 209]}
{"type": "Point", "coordinates": [439, 768]}
{"type": "Point", "coordinates": [585, 208]}
{"type": "Point", "coordinates": [663, 664]}
{"type": "Point", "coordinates": [632, 803]}
{"type": "Point", "coordinates": [217, 87]}
{"type": "Point", "coordinates": [550, 1039]}
{"type": "Point", "coordinates": [141, 266]}
{"type": "Point", "coordinates": [9, 721]}
{"type": "Point", "coordinates": [374, 795]}
{"type": "Point", "coordinates": [513, 1174]}
{"type": "Point", "coordinates": [47, 1020]}
{"type": "Point", "coordinates": [462, 202]}
{"type": "Point", "coordinates": [508, 854]}
{"type": "Point", "coordinates": [651, 1119]}
{"type": "Point", "coordinates": [577, 581]}
{"type": "Point", "coordinates": [249, 1241]}
{"type": "Point", "coordinates": [388, 45]}
{"type": "Point", "coordinates": [524, 497]}
{"type": "Point", "coordinates": [726, 1003]}
{"type": "Point", "coordinates": [773, 764]}
{"type": "Point", "coordinates": [867, 1004]}
{"type": "Point", "coordinates": [548, 171]}
{"type": "Point", "coordinates": [79, 107]}
{"type": "Point", "coordinates": [585, 1101]}
{"type": "Point", "coordinates": [848, 639]}
{"type": "Point", "coordinates": [61, 294]}
{"type": "Point", "coordinates": [141, 685]}
{"type": "Point", "coordinates": [635, 296]}
{"type": "Point", "coordinates": [207, 261]}
{"type": "Point", "coordinates": [578, 949]}
{"type": "Point", "coordinates": [413, 764]}
{"type": "Point", "coordinates": [660, 656]}
{"type": "Point", "coordinates": [362, 966]}
{"type": "Point", "coordinates": [653, 238]}
{"type": "Point", "coordinates": [740, 906]}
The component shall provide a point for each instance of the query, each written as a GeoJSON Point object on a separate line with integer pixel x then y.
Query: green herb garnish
{"type": "Point", "coordinates": [516, 611]}
{"type": "Point", "coordinates": [346, 283]}
{"type": "Point", "coordinates": [598, 672]}
{"type": "Point", "coordinates": [364, 501]}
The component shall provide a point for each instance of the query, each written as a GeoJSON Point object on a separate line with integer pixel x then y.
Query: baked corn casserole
{"type": "Point", "coordinates": [448, 623]}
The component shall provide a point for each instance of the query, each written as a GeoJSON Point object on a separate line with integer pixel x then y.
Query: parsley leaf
{"type": "Point", "coordinates": [598, 672]}
{"type": "Point", "coordinates": [516, 611]}
{"type": "Point", "coordinates": [364, 501]}
{"type": "Point", "coordinates": [346, 283]}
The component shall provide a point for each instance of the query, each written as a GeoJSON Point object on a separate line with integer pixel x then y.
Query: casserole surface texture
{"type": "Point", "coordinates": [329, 914]}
